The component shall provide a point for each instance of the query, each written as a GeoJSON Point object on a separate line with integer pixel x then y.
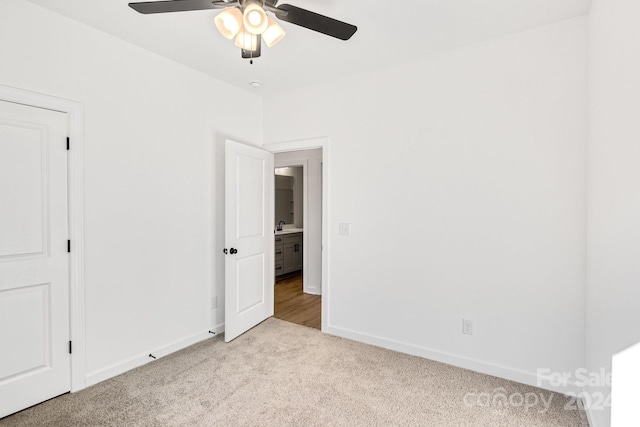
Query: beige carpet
{"type": "Point", "coordinates": [281, 374]}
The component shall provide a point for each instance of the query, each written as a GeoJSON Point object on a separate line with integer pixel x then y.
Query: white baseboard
{"type": "Point", "coordinates": [126, 365]}
{"type": "Point", "coordinates": [219, 329]}
{"type": "Point", "coordinates": [590, 419]}
{"type": "Point", "coordinates": [496, 370]}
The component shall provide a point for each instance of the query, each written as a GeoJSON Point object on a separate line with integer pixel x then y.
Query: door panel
{"type": "Point", "coordinates": [250, 279]}
{"type": "Point", "coordinates": [22, 160]}
{"type": "Point", "coordinates": [251, 204]}
{"type": "Point", "coordinates": [30, 308]}
{"type": "Point", "coordinates": [34, 282]}
{"type": "Point", "coordinates": [249, 272]}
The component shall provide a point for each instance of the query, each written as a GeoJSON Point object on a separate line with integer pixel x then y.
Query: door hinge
{"type": "Point", "coordinates": [68, 245]}
{"type": "Point", "coordinates": [70, 348]}
{"type": "Point", "coordinates": [67, 143]}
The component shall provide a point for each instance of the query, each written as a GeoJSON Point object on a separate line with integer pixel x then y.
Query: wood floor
{"type": "Point", "coordinates": [293, 305]}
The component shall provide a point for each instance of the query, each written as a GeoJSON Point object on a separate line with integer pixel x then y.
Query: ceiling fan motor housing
{"type": "Point", "coordinates": [244, 3]}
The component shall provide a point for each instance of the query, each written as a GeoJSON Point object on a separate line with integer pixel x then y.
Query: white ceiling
{"type": "Point", "coordinates": [388, 32]}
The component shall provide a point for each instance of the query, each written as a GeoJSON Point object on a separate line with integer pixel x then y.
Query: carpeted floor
{"type": "Point", "coordinates": [282, 374]}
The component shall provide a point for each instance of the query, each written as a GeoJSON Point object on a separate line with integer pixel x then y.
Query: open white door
{"type": "Point", "coordinates": [249, 212]}
{"type": "Point", "coordinates": [34, 263]}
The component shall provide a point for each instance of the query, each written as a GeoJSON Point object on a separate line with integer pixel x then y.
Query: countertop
{"type": "Point", "coordinates": [289, 231]}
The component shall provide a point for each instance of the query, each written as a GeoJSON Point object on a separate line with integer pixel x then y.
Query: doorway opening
{"type": "Point", "coordinates": [298, 237]}
{"type": "Point", "coordinates": [250, 229]}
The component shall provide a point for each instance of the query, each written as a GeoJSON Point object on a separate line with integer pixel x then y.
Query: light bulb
{"type": "Point", "coordinates": [273, 34]}
{"type": "Point", "coordinates": [229, 22]}
{"type": "Point", "coordinates": [247, 41]}
{"type": "Point", "coordinates": [254, 19]}
{"type": "Point", "coordinates": [231, 25]}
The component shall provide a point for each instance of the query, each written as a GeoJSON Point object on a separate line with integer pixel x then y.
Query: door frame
{"type": "Point", "coordinates": [311, 144]}
{"type": "Point", "coordinates": [75, 200]}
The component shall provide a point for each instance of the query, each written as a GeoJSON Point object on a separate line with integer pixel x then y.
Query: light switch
{"type": "Point", "coordinates": [344, 229]}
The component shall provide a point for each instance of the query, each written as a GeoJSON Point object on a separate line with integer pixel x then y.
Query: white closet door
{"type": "Point", "coordinates": [34, 264]}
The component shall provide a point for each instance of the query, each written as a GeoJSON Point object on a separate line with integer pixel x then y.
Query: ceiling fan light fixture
{"type": "Point", "coordinates": [247, 41]}
{"type": "Point", "coordinates": [248, 23]}
{"type": "Point", "coordinates": [273, 34]}
{"type": "Point", "coordinates": [254, 19]}
{"type": "Point", "coordinates": [229, 22]}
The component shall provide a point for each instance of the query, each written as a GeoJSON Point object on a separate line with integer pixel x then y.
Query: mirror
{"type": "Point", "coordinates": [284, 199]}
{"type": "Point", "coordinates": [288, 206]}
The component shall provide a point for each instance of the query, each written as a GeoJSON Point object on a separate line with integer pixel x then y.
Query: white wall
{"type": "Point", "coordinates": [312, 161]}
{"type": "Point", "coordinates": [613, 279]}
{"type": "Point", "coordinates": [463, 178]}
{"type": "Point", "coordinates": [154, 184]}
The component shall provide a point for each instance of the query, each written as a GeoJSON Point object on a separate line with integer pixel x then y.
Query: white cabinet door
{"type": "Point", "coordinates": [288, 260]}
{"type": "Point", "coordinates": [297, 256]}
{"type": "Point", "coordinates": [292, 260]}
{"type": "Point", "coordinates": [249, 213]}
{"type": "Point", "coordinates": [34, 264]}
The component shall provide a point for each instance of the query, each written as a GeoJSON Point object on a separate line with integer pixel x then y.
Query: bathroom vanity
{"type": "Point", "coordinates": [288, 251]}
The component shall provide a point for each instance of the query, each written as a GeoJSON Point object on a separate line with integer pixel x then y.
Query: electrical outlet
{"type": "Point", "coordinates": [214, 302]}
{"type": "Point", "coordinates": [344, 229]}
{"type": "Point", "coordinates": [467, 327]}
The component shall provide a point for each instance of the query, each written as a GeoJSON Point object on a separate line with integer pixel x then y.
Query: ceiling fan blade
{"type": "Point", "coordinates": [316, 22]}
{"type": "Point", "coordinates": [178, 6]}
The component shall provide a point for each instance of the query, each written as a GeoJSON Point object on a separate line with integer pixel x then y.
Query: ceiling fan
{"type": "Point", "coordinates": [247, 20]}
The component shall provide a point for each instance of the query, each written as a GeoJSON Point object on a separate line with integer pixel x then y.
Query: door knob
{"type": "Point", "coordinates": [233, 251]}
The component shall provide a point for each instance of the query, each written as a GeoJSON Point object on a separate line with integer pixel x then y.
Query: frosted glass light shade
{"type": "Point", "coordinates": [247, 41]}
{"type": "Point", "coordinates": [254, 19]}
{"type": "Point", "coordinates": [229, 22]}
{"type": "Point", "coordinates": [273, 34]}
